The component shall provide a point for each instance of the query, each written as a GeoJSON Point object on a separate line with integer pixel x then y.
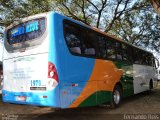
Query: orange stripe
{"type": "Point", "coordinates": [104, 77]}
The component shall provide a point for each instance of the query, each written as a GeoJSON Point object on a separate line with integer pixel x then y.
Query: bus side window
{"type": "Point", "coordinates": [73, 38]}
{"type": "Point", "coordinates": [90, 43]}
{"type": "Point", "coordinates": [137, 56]}
{"type": "Point", "coordinates": [124, 51]}
{"type": "Point", "coordinates": [111, 53]}
{"type": "Point", "coordinates": [101, 46]}
{"type": "Point", "coordinates": [149, 57]}
{"type": "Point", "coordinates": [118, 51]}
{"type": "Point", "coordinates": [153, 61]}
{"type": "Point", "coordinates": [144, 58]}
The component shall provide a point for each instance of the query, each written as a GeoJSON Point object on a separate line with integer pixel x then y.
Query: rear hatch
{"type": "Point", "coordinates": [26, 55]}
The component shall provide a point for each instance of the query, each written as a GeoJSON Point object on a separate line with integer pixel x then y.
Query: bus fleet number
{"type": "Point", "coordinates": [36, 83]}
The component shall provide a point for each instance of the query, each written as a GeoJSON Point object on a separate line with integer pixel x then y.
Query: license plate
{"type": "Point", "coordinates": [21, 98]}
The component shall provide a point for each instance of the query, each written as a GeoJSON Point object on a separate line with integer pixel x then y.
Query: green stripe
{"type": "Point", "coordinates": [97, 98]}
{"type": "Point", "coordinates": [127, 78]}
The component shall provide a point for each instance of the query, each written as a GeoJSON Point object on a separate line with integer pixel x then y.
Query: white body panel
{"type": "Point", "coordinates": [142, 75]}
{"type": "Point", "coordinates": [20, 72]}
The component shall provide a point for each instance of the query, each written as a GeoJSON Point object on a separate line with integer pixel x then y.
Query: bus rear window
{"type": "Point", "coordinates": [26, 31]}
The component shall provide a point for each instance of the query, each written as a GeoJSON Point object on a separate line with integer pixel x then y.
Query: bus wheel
{"type": "Point", "coordinates": [116, 96]}
{"type": "Point", "coordinates": [151, 85]}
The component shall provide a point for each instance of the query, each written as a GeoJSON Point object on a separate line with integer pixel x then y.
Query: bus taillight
{"type": "Point", "coordinates": [52, 72]}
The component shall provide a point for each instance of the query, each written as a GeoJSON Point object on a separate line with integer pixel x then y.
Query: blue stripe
{"type": "Point", "coordinates": [71, 69]}
{"type": "Point", "coordinates": [33, 98]}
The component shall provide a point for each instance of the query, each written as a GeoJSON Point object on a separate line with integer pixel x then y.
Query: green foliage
{"type": "Point", "coordinates": [77, 9]}
{"type": "Point", "coordinates": [134, 21]}
{"type": "Point", "coordinates": [13, 10]}
{"type": "Point", "coordinates": [139, 27]}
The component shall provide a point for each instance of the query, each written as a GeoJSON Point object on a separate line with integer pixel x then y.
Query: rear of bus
{"type": "Point", "coordinates": [29, 76]}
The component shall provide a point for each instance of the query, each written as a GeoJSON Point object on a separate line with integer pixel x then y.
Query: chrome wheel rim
{"type": "Point", "coordinates": [116, 96]}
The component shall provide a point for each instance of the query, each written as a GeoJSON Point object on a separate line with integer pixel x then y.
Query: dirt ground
{"type": "Point", "coordinates": [145, 106]}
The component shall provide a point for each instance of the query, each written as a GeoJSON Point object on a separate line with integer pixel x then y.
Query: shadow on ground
{"type": "Point", "coordinates": [143, 103]}
{"type": "Point", "coordinates": [137, 104]}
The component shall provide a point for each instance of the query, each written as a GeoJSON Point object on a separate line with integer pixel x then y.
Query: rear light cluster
{"type": "Point", "coordinates": [52, 73]}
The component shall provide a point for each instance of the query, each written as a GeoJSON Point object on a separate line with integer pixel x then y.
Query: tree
{"type": "Point", "coordinates": [100, 14]}
{"type": "Point", "coordinates": [139, 27]}
{"type": "Point", "coordinates": [14, 10]}
{"type": "Point", "coordinates": [156, 5]}
{"type": "Point", "coordinates": [133, 21]}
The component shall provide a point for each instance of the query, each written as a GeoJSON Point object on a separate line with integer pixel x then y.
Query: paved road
{"type": "Point", "coordinates": [145, 105]}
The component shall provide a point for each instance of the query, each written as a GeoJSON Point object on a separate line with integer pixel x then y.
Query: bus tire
{"type": "Point", "coordinates": [151, 85]}
{"type": "Point", "coordinates": [116, 96]}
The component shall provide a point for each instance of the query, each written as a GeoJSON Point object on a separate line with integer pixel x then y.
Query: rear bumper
{"type": "Point", "coordinates": [37, 99]}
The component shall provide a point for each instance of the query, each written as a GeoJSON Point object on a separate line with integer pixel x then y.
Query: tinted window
{"type": "Point", "coordinates": [149, 59]}
{"type": "Point", "coordinates": [143, 57]}
{"type": "Point", "coordinates": [72, 35]}
{"type": "Point", "coordinates": [111, 53]}
{"type": "Point", "coordinates": [137, 57]}
{"type": "Point", "coordinates": [102, 46]}
{"type": "Point", "coordinates": [118, 51]}
{"type": "Point", "coordinates": [26, 31]}
{"type": "Point", "coordinates": [124, 51]}
{"type": "Point", "coordinates": [89, 43]}
{"type": "Point", "coordinates": [80, 40]}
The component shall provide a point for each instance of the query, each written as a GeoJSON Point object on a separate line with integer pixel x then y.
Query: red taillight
{"type": "Point", "coordinates": [52, 72]}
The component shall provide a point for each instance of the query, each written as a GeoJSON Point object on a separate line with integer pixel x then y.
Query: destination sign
{"type": "Point", "coordinates": [26, 31]}
{"type": "Point", "coordinates": [27, 28]}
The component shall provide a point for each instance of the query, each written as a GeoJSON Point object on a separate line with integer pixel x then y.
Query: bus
{"type": "Point", "coordinates": [52, 60]}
